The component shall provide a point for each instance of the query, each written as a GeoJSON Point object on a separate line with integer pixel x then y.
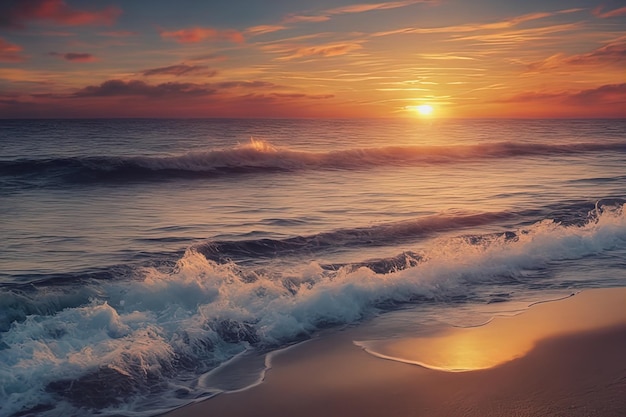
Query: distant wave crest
{"type": "Point", "coordinates": [260, 156]}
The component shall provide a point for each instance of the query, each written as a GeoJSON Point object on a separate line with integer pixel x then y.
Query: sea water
{"type": "Point", "coordinates": [146, 264]}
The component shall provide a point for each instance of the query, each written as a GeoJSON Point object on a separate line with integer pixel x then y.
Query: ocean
{"type": "Point", "coordinates": [147, 264]}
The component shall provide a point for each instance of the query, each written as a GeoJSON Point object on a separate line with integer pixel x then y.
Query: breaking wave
{"type": "Point", "coordinates": [116, 346]}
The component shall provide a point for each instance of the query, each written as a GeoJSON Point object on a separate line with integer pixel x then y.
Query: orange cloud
{"type": "Point", "coordinates": [325, 50]}
{"type": "Point", "coordinates": [303, 18]}
{"type": "Point", "coordinates": [302, 95]}
{"type": "Point", "coordinates": [10, 52]}
{"type": "Point", "coordinates": [263, 29]}
{"type": "Point", "coordinates": [55, 11]}
{"type": "Point", "coordinates": [198, 34]}
{"type": "Point", "coordinates": [75, 56]}
{"type": "Point", "coordinates": [613, 13]}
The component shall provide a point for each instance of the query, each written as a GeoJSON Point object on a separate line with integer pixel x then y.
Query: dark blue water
{"type": "Point", "coordinates": [146, 253]}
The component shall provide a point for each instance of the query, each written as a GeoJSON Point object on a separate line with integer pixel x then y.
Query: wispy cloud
{"type": "Point", "coordinates": [475, 27]}
{"type": "Point", "coordinates": [10, 99]}
{"type": "Point", "coordinates": [178, 70]}
{"type": "Point", "coordinates": [75, 56]}
{"type": "Point", "coordinates": [292, 51]}
{"type": "Point", "coordinates": [244, 84]}
{"type": "Point", "coordinates": [367, 7]}
{"type": "Point", "coordinates": [447, 56]}
{"type": "Point", "coordinates": [198, 34]}
{"type": "Point", "coordinates": [18, 14]}
{"type": "Point", "coordinates": [20, 75]}
{"type": "Point", "coordinates": [263, 29]}
{"type": "Point", "coordinates": [612, 13]}
{"type": "Point", "coordinates": [306, 18]}
{"type": "Point", "coordinates": [282, 97]}
{"type": "Point", "coordinates": [207, 57]}
{"type": "Point", "coordinates": [325, 15]}
{"type": "Point", "coordinates": [512, 37]}
{"type": "Point", "coordinates": [10, 52]}
{"type": "Point", "coordinates": [354, 8]}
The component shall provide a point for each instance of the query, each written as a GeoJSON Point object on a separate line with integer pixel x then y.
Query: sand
{"type": "Point", "coordinates": [560, 365]}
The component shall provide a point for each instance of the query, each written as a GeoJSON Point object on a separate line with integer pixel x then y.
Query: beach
{"type": "Point", "coordinates": [580, 371]}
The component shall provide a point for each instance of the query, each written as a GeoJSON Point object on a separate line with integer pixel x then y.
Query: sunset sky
{"type": "Point", "coordinates": [296, 58]}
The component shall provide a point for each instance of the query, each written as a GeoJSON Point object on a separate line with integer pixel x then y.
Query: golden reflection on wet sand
{"type": "Point", "coordinates": [506, 338]}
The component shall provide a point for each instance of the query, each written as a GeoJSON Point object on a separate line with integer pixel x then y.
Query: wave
{"type": "Point", "coordinates": [260, 156]}
{"type": "Point", "coordinates": [376, 235]}
{"type": "Point", "coordinates": [157, 332]}
{"type": "Point", "coordinates": [392, 233]}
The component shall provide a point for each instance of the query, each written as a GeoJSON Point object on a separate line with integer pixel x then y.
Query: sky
{"type": "Point", "coordinates": [296, 58]}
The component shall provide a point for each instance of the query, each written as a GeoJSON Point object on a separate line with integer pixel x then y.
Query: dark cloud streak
{"type": "Point", "coordinates": [252, 90]}
{"type": "Point", "coordinates": [612, 53]}
{"type": "Point", "coordinates": [74, 56]}
{"type": "Point", "coordinates": [178, 70]}
{"type": "Point", "coordinates": [117, 88]}
{"type": "Point", "coordinates": [609, 93]}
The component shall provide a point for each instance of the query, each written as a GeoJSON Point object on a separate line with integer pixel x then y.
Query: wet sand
{"type": "Point", "coordinates": [563, 368]}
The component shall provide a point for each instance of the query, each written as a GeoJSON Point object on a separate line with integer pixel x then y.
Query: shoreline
{"type": "Point", "coordinates": [580, 371]}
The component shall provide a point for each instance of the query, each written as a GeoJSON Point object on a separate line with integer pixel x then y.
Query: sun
{"type": "Point", "coordinates": [422, 109]}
